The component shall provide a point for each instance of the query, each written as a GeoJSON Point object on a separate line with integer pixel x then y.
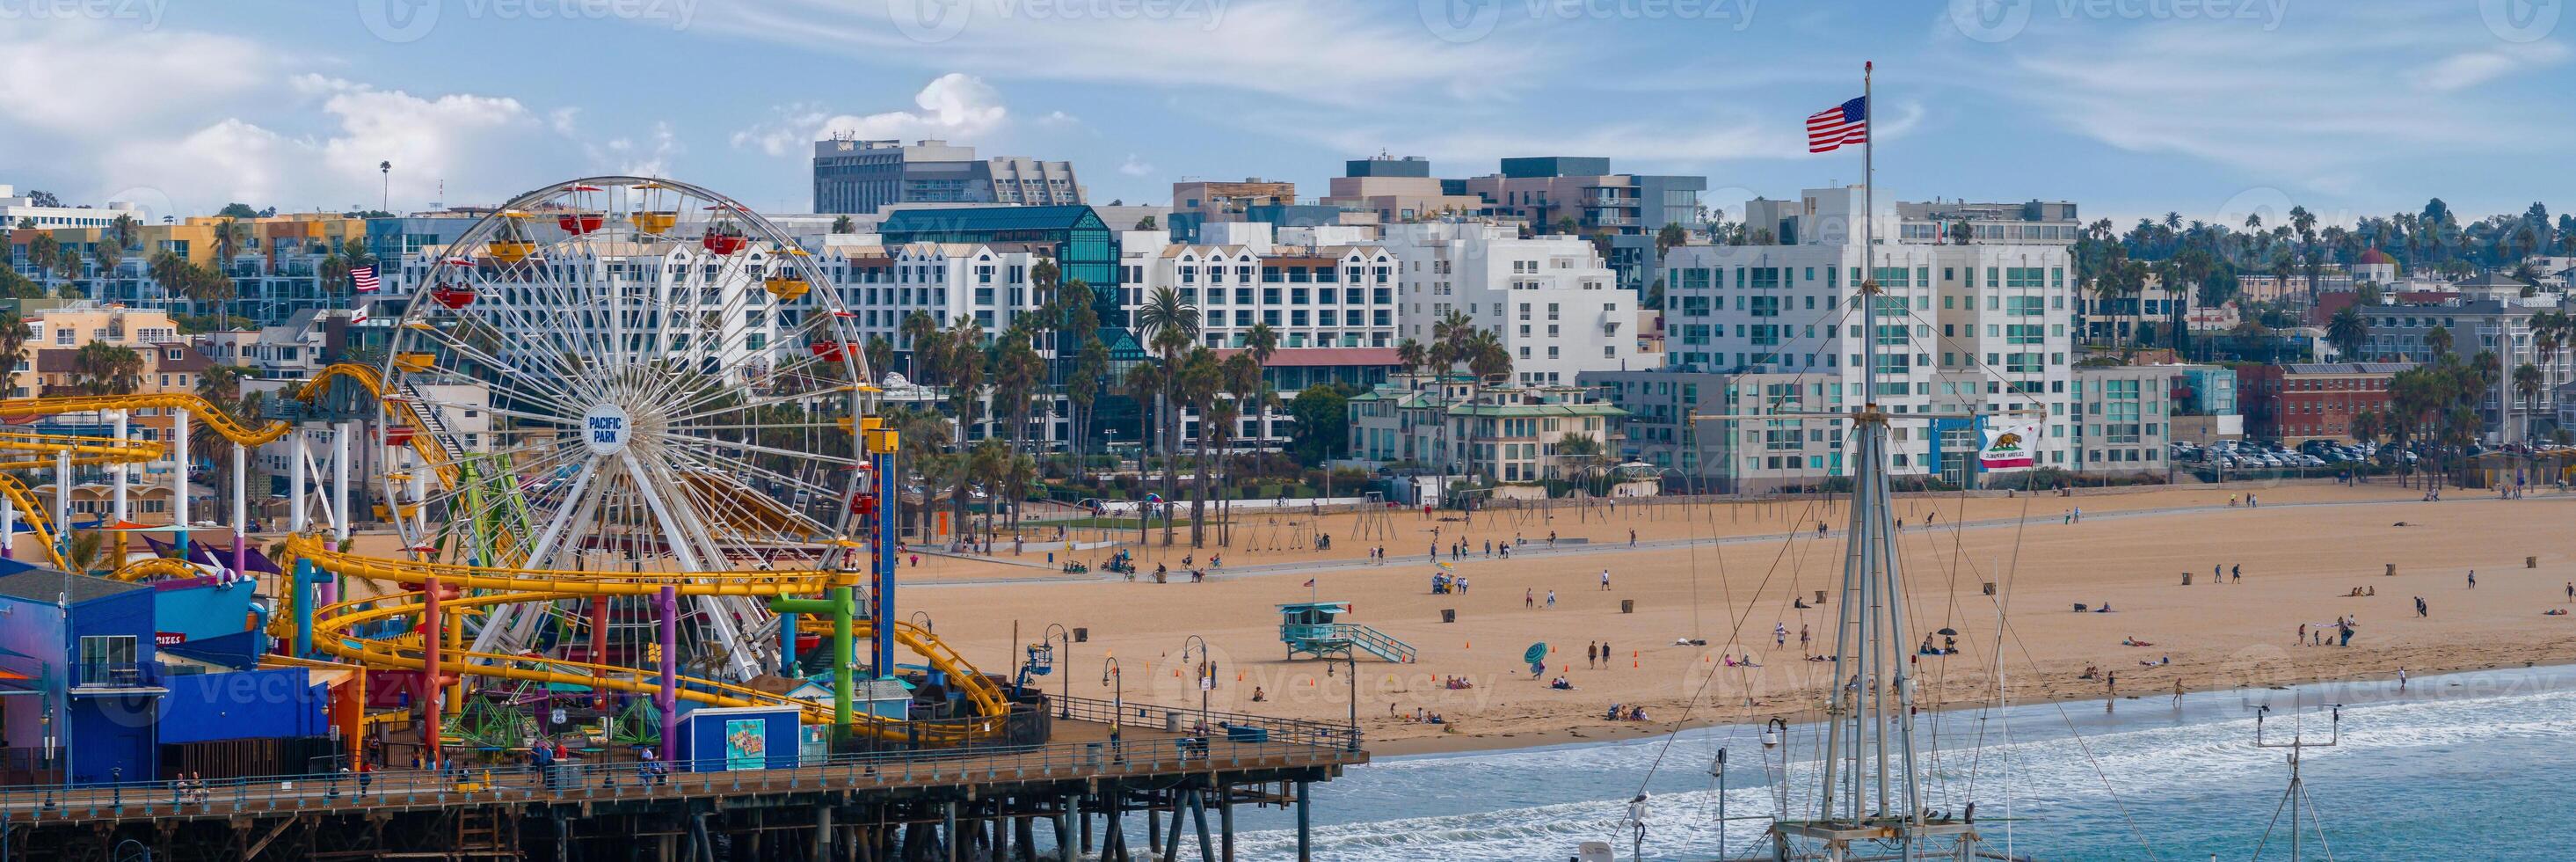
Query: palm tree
{"type": "Point", "coordinates": [918, 328]}
{"type": "Point", "coordinates": [1082, 387]}
{"type": "Point", "coordinates": [1171, 325]}
{"type": "Point", "coordinates": [1201, 378]}
{"type": "Point", "coordinates": [2346, 331]}
{"type": "Point", "coordinates": [14, 334]}
{"type": "Point", "coordinates": [108, 254]}
{"type": "Point", "coordinates": [1488, 363]}
{"type": "Point", "coordinates": [107, 369]}
{"type": "Point", "coordinates": [42, 253]}
{"type": "Point", "coordinates": [2439, 340]}
{"type": "Point", "coordinates": [2528, 383]}
{"type": "Point", "coordinates": [1248, 391]}
{"type": "Point", "coordinates": [1410, 354]}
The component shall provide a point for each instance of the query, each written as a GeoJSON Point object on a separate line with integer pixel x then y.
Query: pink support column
{"type": "Point", "coordinates": [430, 690]}
{"type": "Point", "coordinates": [668, 699]}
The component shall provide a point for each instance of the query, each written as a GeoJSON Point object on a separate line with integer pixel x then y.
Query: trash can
{"type": "Point", "coordinates": [1448, 615]}
{"type": "Point", "coordinates": [1082, 635]}
{"type": "Point", "coordinates": [1627, 606]}
{"type": "Point", "coordinates": [1171, 722]}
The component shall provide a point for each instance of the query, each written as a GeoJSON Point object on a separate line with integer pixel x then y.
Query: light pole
{"type": "Point", "coordinates": [1206, 675]}
{"type": "Point", "coordinates": [1352, 656]}
{"type": "Point", "coordinates": [1110, 675]}
{"type": "Point", "coordinates": [1064, 702]}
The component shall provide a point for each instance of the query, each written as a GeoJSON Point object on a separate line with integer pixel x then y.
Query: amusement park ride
{"type": "Point", "coordinates": [671, 462]}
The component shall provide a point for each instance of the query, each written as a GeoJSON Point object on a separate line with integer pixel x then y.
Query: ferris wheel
{"type": "Point", "coordinates": [621, 374]}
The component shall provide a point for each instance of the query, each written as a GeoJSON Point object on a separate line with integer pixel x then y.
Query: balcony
{"type": "Point", "coordinates": [114, 677]}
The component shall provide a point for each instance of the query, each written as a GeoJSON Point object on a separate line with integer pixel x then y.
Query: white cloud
{"type": "Point", "coordinates": [2306, 108]}
{"type": "Point", "coordinates": [1324, 52]}
{"type": "Point", "coordinates": [1135, 167]}
{"type": "Point", "coordinates": [457, 146]}
{"type": "Point", "coordinates": [72, 76]}
{"type": "Point", "coordinates": [2464, 70]}
{"type": "Point", "coordinates": [954, 106]}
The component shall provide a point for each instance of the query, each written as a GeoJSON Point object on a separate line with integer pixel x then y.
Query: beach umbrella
{"type": "Point", "coordinates": [1947, 631]}
{"type": "Point", "coordinates": [1535, 654]}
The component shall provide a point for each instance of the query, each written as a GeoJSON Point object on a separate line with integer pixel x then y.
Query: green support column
{"type": "Point", "coordinates": [837, 604]}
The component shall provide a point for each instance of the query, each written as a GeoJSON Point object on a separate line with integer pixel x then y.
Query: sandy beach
{"type": "Point", "coordinates": [2301, 551]}
{"type": "Point", "coordinates": [1727, 574]}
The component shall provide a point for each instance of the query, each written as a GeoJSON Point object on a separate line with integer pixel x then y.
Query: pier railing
{"type": "Point", "coordinates": [1229, 725]}
{"type": "Point", "coordinates": [1241, 743]}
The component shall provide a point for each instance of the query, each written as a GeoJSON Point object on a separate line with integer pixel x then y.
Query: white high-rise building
{"type": "Point", "coordinates": [1555, 304]}
{"type": "Point", "coordinates": [1310, 295]}
{"type": "Point", "coordinates": [1962, 328]}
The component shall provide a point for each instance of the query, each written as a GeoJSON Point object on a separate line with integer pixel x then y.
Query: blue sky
{"type": "Point", "coordinates": [2130, 107]}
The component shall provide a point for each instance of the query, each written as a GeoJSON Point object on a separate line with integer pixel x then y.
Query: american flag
{"type": "Point", "coordinates": [364, 278]}
{"type": "Point", "coordinates": [1846, 123]}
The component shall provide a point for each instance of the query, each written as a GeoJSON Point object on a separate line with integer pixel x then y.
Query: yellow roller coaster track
{"type": "Point", "coordinates": [507, 586]}
{"type": "Point", "coordinates": [91, 451]}
{"type": "Point", "coordinates": [500, 585]}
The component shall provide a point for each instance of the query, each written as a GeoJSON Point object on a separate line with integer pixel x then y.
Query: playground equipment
{"type": "Point", "coordinates": [1308, 628]}
{"type": "Point", "coordinates": [615, 460]}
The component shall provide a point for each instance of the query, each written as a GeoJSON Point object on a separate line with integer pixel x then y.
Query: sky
{"type": "Point", "coordinates": [2208, 108]}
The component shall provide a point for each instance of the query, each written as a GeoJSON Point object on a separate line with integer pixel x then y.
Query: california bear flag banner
{"type": "Point", "coordinates": [2008, 447]}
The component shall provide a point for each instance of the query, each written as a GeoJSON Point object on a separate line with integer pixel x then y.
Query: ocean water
{"type": "Point", "coordinates": [2467, 766]}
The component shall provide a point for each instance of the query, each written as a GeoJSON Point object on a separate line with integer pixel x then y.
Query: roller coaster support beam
{"type": "Point", "coordinates": [340, 487]}
{"type": "Point", "coordinates": [63, 504]}
{"type": "Point", "coordinates": [8, 529]}
{"type": "Point", "coordinates": [241, 511]}
{"type": "Point", "coordinates": [881, 446]}
{"type": "Point", "coordinates": [121, 472]}
{"type": "Point", "coordinates": [598, 648]}
{"type": "Point", "coordinates": [432, 688]}
{"type": "Point", "coordinates": [304, 605]}
{"type": "Point", "coordinates": [295, 482]}
{"type": "Point", "coordinates": [837, 604]}
{"type": "Point", "coordinates": [667, 608]}
{"type": "Point", "coordinates": [786, 642]}
{"type": "Point", "coordinates": [178, 480]}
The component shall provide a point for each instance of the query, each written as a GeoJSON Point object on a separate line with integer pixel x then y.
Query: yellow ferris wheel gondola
{"type": "Point", "coordinates": [784, 283]}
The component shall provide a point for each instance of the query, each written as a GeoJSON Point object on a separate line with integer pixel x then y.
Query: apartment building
{"type": "Point", "coordinates": [1961, 223]}
{"type": "Point", "coordinates": [2302, 401]}
{"type": "Point", "coordinates": [1980, 328]}
{"type": "Point", "coordinates": [855, 176]}
{"type": "Point", "coordinates": [1310, 296]}
{"type": "Point", "coordinates": [1555, 305]}
{"type": "Point", "coordinates": [1512, 434]}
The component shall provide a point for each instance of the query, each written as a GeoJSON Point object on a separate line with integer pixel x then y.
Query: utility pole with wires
{"type": "Point", "coordinates": [2296, 794]}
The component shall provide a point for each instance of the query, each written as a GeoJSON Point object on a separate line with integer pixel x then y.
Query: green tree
{"type": "Point", "coordinates": [1320, 412]}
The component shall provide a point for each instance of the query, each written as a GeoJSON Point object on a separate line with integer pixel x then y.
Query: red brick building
{"type": "Point", "coordinates": [2309, 400]}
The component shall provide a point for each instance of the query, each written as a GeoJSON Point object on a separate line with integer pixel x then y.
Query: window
{"type": "Point", "coordinates": [109, 660]}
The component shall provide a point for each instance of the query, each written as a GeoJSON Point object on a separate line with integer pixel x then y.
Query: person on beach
{"type": "Point", "coordinates": [1605, 580]}
{"type": "Point", "coordinates": [1551, 600]}
{"type": "Point", "coordinates": [2303, 627]}
{"type": "Point", "coordinates": [1529, 597]}
{"type": "Point", "coordinates": [2236, 573]}
{"type": "Point", "coordinates": [2473, 579]}
{"type": "Point", "coordinates": [1591, 653]}
{"type": "Point", "coordinates": [2420, 610]}
{"type": "Point", "coordinates": [1779, 634]}
{"type": "Point", "coordinates": [2177, 693]}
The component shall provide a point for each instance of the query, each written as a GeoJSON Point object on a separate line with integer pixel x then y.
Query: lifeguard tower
{"type": "Point", "coordinates": [1308, 627]}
